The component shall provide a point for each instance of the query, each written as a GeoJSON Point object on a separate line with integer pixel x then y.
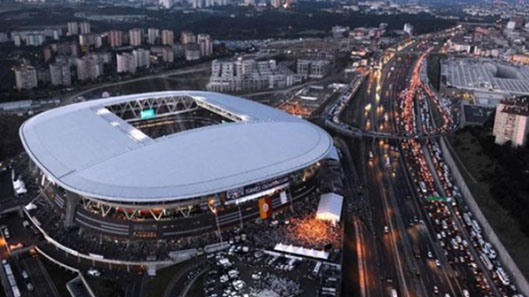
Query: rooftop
{"type": "Point", "coordinates": [518, 106]}
{"type": "Point", "coordinates": [486, 74]}
{"type": "Point", "coordinates": [94, 149]}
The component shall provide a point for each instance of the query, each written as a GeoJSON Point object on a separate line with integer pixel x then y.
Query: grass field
{"type": "Point", "coordinates": [478, 165]}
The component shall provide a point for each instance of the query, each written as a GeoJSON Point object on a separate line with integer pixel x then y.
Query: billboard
{"type": "Point", "coordinates": [265, 207]}
{"type": "Point", "coordinates": [255, 188]}
{"type": "Point", "coordinates": [147, 114]}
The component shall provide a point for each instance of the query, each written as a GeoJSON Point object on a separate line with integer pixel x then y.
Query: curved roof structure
{"type": "Point", "coordinates": [90, 150]}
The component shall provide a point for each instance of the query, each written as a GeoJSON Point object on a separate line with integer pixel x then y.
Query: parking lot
{"type": "Point", "coordinates": [241, 271]}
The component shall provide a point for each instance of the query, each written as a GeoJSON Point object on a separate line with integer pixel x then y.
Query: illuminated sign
{"type": "Point", "coordinates": [255, 188]}
{"type": "Point", "coordinates": [147, 114]}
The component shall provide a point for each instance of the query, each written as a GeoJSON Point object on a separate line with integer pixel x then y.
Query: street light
{"type": "Point", "coordinates": [211, 206]}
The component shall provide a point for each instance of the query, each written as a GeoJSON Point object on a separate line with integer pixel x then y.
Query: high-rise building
{"type": "Point", "coordinates": [248, 74]}
{"type": "Point", "coordinates": [60, 74]}
{"type": "Point", "coordinates": [115, 38]}
{"type": "Point", "coordinates": [43, 75]}
{"type": "Point", "coordinates": [167, 54]}
{"type": "Point", "coordinates": [192, 52]}
{"type": "Point", "coordinates": [16, 39]}
{"type": "Point", "coordinates": [143, 57]}
{"type": "Point", "coordinates": [511, 122]}
{"type": "Point", "coordinates": [90, 39]}
{"type": "Point", "coordinates": [35, 39]}
{"type": "Point", "coordinates": [84, 27]}
{"type": "Point", "coordinates": [73, 28]}
{"type": "Point", "coordinates": [67, 48]}
{"type": "Point", "coordinates": [303, 67]}
{"type": "Point", "coordinates": [208, 3]}
{"type": "Point", "coordinates": [167, 37]}
{"type": "Point", "coordinates": [126, 62]}
{"type": "Point", "coordinates": [187, 37]}
{"type": "Point", "coordinates": [205, 44]}
{"type": "Point", "coordinates": [25, 77]}
{"type": "Point", "coordinates": [135, 36]}
{"type": "Point", "coordinates": [88, 68]}
{"type": "Point", "coordinates": [313, 68]}
{"type": "Point", "coordinates": [101, 57]}
{"type": "Point", "coordinates": [152, 35]}
{"type": "Point", "coordinates": [197, 3]}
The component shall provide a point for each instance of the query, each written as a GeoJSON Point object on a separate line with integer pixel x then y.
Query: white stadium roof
{"type": "Point", "coordinates": [93, 152]}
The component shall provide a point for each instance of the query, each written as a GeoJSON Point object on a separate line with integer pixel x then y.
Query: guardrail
{"type": "Point", "coordinates": [504, 256]}
{"type": "Point", "coordinates": [74, 270]}
{"type": "Point", "coordinates": [100, 259]}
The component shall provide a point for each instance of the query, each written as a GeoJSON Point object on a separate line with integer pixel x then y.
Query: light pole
{"type": "Point", "coordinates": [214, 211]}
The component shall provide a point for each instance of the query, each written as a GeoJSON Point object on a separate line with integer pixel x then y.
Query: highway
{"type": "Point", "coordinates": [416, 246]}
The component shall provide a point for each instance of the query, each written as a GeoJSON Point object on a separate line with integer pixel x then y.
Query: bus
{"type": "Point", "coordinates": [8, 270]}
{"type": "Point", "coordinates": [504, 278]}
{"type": "Point", "coordinates": [16, 291]}
{"type": "Point", "coordinates": [475, 226]}
{"type": "Point", "coordinates": [486, 261]}
{"type": "Point", "coordinates": [467, 219]}
{"type": "Point", "coordinates": [316, 269]}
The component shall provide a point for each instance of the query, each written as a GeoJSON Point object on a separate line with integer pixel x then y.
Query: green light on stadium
{"type": "Point", "coordinates": [147, 114]}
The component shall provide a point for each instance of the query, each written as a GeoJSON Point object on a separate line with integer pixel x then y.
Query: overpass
{"type": "Point", "coordinates": [354, 132]}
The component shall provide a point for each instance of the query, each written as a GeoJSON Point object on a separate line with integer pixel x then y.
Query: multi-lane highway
{"type": "Point", "coordinates": [416, 236]}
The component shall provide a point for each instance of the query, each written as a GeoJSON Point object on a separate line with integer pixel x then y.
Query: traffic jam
{"type": "Point", "coordinates": [456, 229]}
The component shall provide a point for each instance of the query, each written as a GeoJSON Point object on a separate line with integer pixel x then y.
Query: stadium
{"type": "Point", "coordinates": [170, 164]}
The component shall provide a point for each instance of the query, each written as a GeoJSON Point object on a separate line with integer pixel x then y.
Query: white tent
{"type": "Point", "coordinates": [19, 187]}
{"type": "Point", "coordinates": [330, 207]}
{"type": "Point", "coordinates": [297, 250]}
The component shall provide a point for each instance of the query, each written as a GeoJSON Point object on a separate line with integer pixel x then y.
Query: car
{"type": "Point", "coordinates": [25, 223]}
{"type": "Point", "coordinates": [238, 284]}
{"type": "Point", "coordinates": [224, 278]}
{"type": "Point", "coordinates": [29, 286]}
{"type": "Point", "coordinates": [430, 255]}
{"type": "Point", "coordinates": [93, 272]}
{"type": "Point", "coordinates": [437, 263]}
{"type": "Point", "coordinates": [25, 274]}
{"type": "Point", "coordinates": [435, 290]}
{"type": "Point", "coordinates": [386, 229]}
{"type": "Point", "coordinates": [256, 276]}
{"type": "Point", "coordinates": [233, 273]}
{"type": "Point", "coordinates": [466, 293]}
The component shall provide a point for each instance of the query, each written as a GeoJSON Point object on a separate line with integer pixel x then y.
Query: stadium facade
{"type": "Point", "coordinates": [170, 164]}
